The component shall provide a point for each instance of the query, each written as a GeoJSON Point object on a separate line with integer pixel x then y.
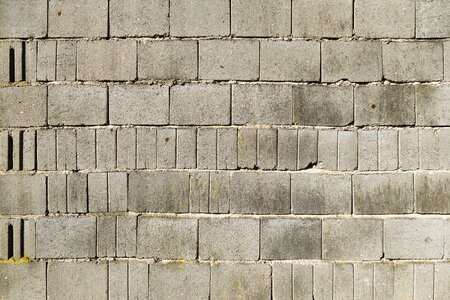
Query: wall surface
{"type": "Point", "coordinates": [225, 149]}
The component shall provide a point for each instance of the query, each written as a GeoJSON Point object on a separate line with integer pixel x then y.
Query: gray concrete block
{"type": "Point", "coordinates": [241, 281]}
{"type": "Point", "coordinates": [423, 280]}
{"type": "Point", "coordinates": [146, 148]}
{"type": "Point", "coordinates": [290, 61]}
{"type": "Point", "coordinates": [261, 104]}
{"type": "Point", "coordinates": [432, 191]}
{"type": "Point", "coordinates": [23, 194]}
{"type": "Point", "coordinates": [323, 280]}
{"type": "Point", "coordinates": [357, 61]}
{"type": "Point", "coordinates": [138, 280]}
{"type": "Point", "coordinates": [29, 239]}
{"type": "Point", "coordinates": [352, 239]}
{"type": "Point", "coordinates": [186, 148]}
{"type": "Point", "coordinates": [385, 19]}
{"type": "Point", "coordinates": [307, 148]}
{"type": "Point", "coordinates": [208, 104]}
{"type": "Point", "coordinates": [247, 146]}
{"type": "Point", "coordinates": [11, 61]}
{"type": "Point", "coordinates": [118, 280]}
{"type": "Point", "coordinates": [291, 239]}
{"type": "Point", "coordinates": [118, 191]}
{"type": "Point", "coordinates": [267, 148]}
{"type": "Point", "coordinates": [5, 48]}
{"type": "Point", "coordinates": [198, 192]}
{"type": "Point", "coordinates": [16, 238]}
{"type": "Point", "coordinates": [23, 19]}
{"type": "Point", "coordinates": [23, 106]}
{"type": "Point", "coordinates": [444, 149]}
{"type": "Point", "coordinates": [343, 281]}
{"type": "Point", "coordinates": [387, 150]}
{"type": "Point", "coordinates": [167, 238]}
{"type": "Point", "coordinates": [441, 283]}
{"type": "Point", "coordinates": [139, 104]}
{"type": "Point", "coordinates": [4, 150]}
{"type": "Point", "coordinates": [85, 18]}
{"type": "Point", "coordinates": [17, 276]}
{"type": "Point", "coordinates": [179, 280]}
{"type": "Point", "coordinates": [363, 281]}
{"type": "Point", "coordinates": [165, 148]}
{"type": "Point", "coordinates": [432, 105]}
{"type": "Point", "coordinates": [86, 148]}
{"type": "Point", "coordinates": [160, 191]}
{"type": "Point", "coordinates": [126, 148]}
{"type": "Point", "coordinates": [336, 103]}
{"type": "Point", "coordinates": [322, 18]}
{"type": "Point", "coordinates": [16, 137]}
{"type": "Point", "coordinates": [207, 148]}
{"type": "Point", "coordinates": [30, 58]}
{"type": "Point", "coordinates": [404, 280]}
{"type": "Point", "coordinates": [347, 152]}
{"type": "Point", "coordinates": [413, 61]}
{"type": "Point", "coordinates": [227, 148]}
{"type": "Point", "coordinates": [253, 18]}
{"type": "Point", "coordinates": [368, 150]}
{"type": "Point", "coordinates": [107, 60]}
{"type": "Point", "coordinates": [219, 192]}
{"type": "Point", "coordinates": [384, 105]}
{"type": "Point", "coordinates": [77, 280]}
{"type": "Point", "coordinates": [46, 60]}
{"type": "Point", "coordinates": [431, 19]}
{"type": "Point", "coordinates": [105, 145]}
{"type": "Point", "coordinates": [429, 148]}
{"type": "Point", "coordinates": [77, 193]}
{"type": "Point", "coordinates": [379, 194]}
{"type": "Point", "coordinates": [424, 237]}
{"type": "Point", "coordinates": [97, 192]}
{"type": "Point", "coordinates": [408, 148]}
{"type": "Point", "coordinates": [57, 193]}
{"type": "Point", "coordinates": [302, 277]}
{"type": "Point", "coordinates": [383, 280]}
{"type": "Point", "coordinates": [327, 145]}
{"type": "Point", "coordinates": [66, 149]}
{"type": "Point", "coordinates": [194, 18]}
{"type": "Point", "coordinates": [447, 61]}
{"type": "Point", "coordinates": [66, 60]}
{"type": "Point", "coordinates": [139, 17]}
{"type": "Point", "coordinates": [282, 283]}
{"type": "Point", "coordinates": [106, 236]}
{"type": "Point", "coordinates": [229, 60]}
{"type": "Point", "coordinates": [126, 233]}
{"type": "Point", "coordinates": [260, 193]}
{"type": "Point", "coordinates": [46, 149]}
{"type": "Point", "coordinates": [29, 150]}
{"type": "Point", "coordinates": [172, 59]}
{"type": "Point", "coordinates": [77, 105]}
{"type": "Point", "coordinates": [228, 239]}
{"type": "Point", "coordinates": [66, 237]}
{"type": "Point", "coordinates": [287, 149]}
{"type": "Point", "coordinates": [318, 193]}
{"type": "Point", "coordinates": [4, 239]}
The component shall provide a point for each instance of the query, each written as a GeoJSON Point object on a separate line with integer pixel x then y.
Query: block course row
{"type": "Point", "coordinates": [179, 280]}
{"type": "Point", "coordinates": [225, 104]}
{"type": "Point", "coordinates": [242, 239]}
{"type": "Point", "coordinates": [227, 192]}
{"type": "Point", "coordinates": [249, 60]}
{"type": "Point", "coordinates": [300, 18]}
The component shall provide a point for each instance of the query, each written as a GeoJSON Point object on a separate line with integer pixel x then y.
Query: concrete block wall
{"type": "Point", "coordinates": [225, 149]}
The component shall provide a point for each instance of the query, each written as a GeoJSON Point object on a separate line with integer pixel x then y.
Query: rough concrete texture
{"type": "Point", "coordinates": [432, 19]}
{"type": "Point", "coordinates": [432, 105]}
{"type": "Point", "coordinates": [23, 19]}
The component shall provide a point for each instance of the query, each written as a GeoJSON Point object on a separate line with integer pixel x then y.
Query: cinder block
{"type": "Point", "coordinates": [138, 280]}
{"type": "Point", "coordinates": [302, 277]}
{"type": "Point", "coordinates": [447, 238]}
{"type": "Point", "coordinates": [404, 280]}
{"type": "Point", "coordinates": [66, 60]}
{"type": "Point", "coordinates": [227, 148]}
{"type": "Point", "coordinates": [179, 280]}
{"type": "Point", "coordinates": [255, 18]}
{"type": "Point", "coordinates": [186, 148]}
{"type": "Point", "coordinates": [441, 283]}
{"type": "Point", "coordinates": [23, 106]}
{"type": "Point", "coordinates": [126, 148]}
{"type": "Point", "coordinates": [207, 148]}
{"type": "Point", "coordinates": [4, 150]}
{"type": "Point", "coordinates": [118, 191]}
{"type": "Point", "coordinates": [160, 191]}
{"type": "Point", "coordinates": [11, 61]}
{"type": "Point", "coordinates": [317, 193]}
{"type": "Point", "coordinates": [381, 194]}
{"type": "Point", "coordinates": [290, 61]}
{"type": "Point", "coordinates": [447, 61]}
{"type": "Point", "coordinates": [106, 236]}
{"type": "Point", "coordinates": [165, 148]}
{"type": "Point", "coordinates": [343, 281]}
{"type": "Point", "coordinates": [84, 18]}
{"type": "Point", "coordinates": [431, 19]}
{"type": "Point", "coordinates": [77, 105]}
{"type": "Point", "coordinates": [17, 230]}
{"type": "Point", "coordinates": [16, 276]}
{"type": "Point", "coordinates": [385, 19]}
{"type": "Point", "coordinates": [387, 150]}
{"type": "Point", "coordinates": [311, 18]}
{"type": "Point", "coordinates": [167, 59]}
{"type": "Point", "coordinates": [196, 18]}
{"type": "Point", "coordinates": [347, 152]}
{"type": "Point", "coordinates": [146, 148]}
{"type": "Point", "coordinates": [66, 237]}
{"type": "Point", "coordinates": [428, 149]}
{"type": "Point", "coordinates": [363, 281]}
{"type": "Point", "coordinates": [126, 237]}
{"type": "Point", "coordinates": [432, 192]}
{"type": "Point", "coordinates": [282, 281]}
{"type": "Point", "coordinates": [167, 238]}
{"type": "Point", "coordinates": [219, 194]}
{"type": "Point", "coordinates": [23, 194]}
{"type": "Point", "coordinates": [118, 279]}
{"type": "Point", "coordinates": [139, 104]}
{"type": "Point", "coordinates": [368, 150]}
{"type": "Point", "coordinates": [208, 104]}
{"type": "Point", "coordinates": [16, 137]}
{"type": "Point", "coordinates": [31, 60]}
{"type": "Point", "coordinates": [29, 239]}
{"type": "Point", "coordinates": [229, 60]}
{"type": "Point", "coordinates": [23, 19]}
{"type": "Point", "coordinates": [98, 192]}
{"type": "Point", "coordinates": [77, 280]}
{"type": "Point", "coordinates": [413, 61]}
{"type": "Point", "coordinates": [384, 105]}
{"type": "Point", "coordinates": [107, 60]}
{"type": "Point", "coordinates": [307, 148]}
{"type": "Point", "coordinates": [46, 149]}
{"type": "Point", "coordinates": [247, 140]}
{"type": "Point", "coordinates": [424, 237]}
{"type": "Point", "coordinates": [383, 280]}
{"type": "Point", "coordinates": [352, 239]}
{"type": "Point", "coordinates": [323, 280]}
{"type": "Point", "coordinates": [327, 145]}
{"type": "Point", "coordinates": [86, 148]}
{"type": "Point", "coordinates": [408, 148]}
{"type": "Point", "coordinates": [424, 280]}
{"type": "Point", "coordinates": [291, 239]}
{"type": "Point", "coordinates": [336, 105]}
{"type": "Point", "coordinates": [261, 104]}
{"type": "Point", "coordinates": [432, 105]}
{"type": "Point", "coordinates": [444, 149]}
{"type": "Point", "coordinates": [29, 150]}
{"type": "Point", "coordinates": [240, 281]}
{"type": "Point", "coordinates": [77, 196]}
{"type": "Point", "coordinates": [357, 61]}
{"type": "Point", "coordinates": [287, 149]}
{"type": "Point", "coordinates": [46, 60]}
{"type": "Point", "coordinates": [199, 192]}
{"type": "Point", "coordinates": [105, 139]}
{"type": "Point", "coordinates": [228, 239]}
{"type": "Point", "coordinates": [267, 148]}
{"type": "Point", "coordinates": [66, 149]}
{"type": "Point", "coordinates": [139, 17]}
{"type": "Point", "coordinates": [260, 193]}
{"type": "Point", "coordinates": [56, 193]}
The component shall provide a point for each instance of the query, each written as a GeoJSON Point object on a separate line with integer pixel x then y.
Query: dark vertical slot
{"type": "Point", "coordinates": [12, 65]}
{"type": "Point", "coordinates": [21, 150]}
{"type": "Point", "coordinates": [22, 238]}
{"type": "Point", "coordinates": [10, 241]}
{"type": "Point", "coordinates": [10, 152]}
{"type": "Point", "coordinates": [24, 68]}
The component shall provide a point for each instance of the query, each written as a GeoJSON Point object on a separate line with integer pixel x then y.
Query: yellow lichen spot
{"type": "Point", "coordinates": [21, 260]}
{"type": "Point", "coordinates": [22, 83]}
